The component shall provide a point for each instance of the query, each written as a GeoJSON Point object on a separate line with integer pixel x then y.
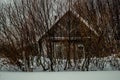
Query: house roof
{"type": "Point", "coordinates": [72, 16]}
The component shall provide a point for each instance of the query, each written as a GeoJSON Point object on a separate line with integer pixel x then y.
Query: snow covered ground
{"type": "Point", "coordinates": [61, 76]}
{"type": "Point", "coordinates": [96, 64]}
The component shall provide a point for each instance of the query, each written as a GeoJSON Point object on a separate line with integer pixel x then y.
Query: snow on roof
{"type": "Point", "coordinates": [89, 26]}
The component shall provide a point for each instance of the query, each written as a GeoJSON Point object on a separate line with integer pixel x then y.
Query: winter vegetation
{"type": "Point", "coordinates": [60, 35]}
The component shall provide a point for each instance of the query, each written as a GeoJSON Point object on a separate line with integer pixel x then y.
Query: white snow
{"type": "Point", "coordinates": [5, 66]}
{"type": "Point", "coordinates": [96, 64]}
{"type": "Point", "coordinates": [61, 76]}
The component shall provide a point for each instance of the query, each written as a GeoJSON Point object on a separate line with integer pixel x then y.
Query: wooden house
{"type": "Point", "coordinates": [71, 37]}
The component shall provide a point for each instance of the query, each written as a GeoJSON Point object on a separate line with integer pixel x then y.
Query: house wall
{"type": "Point", "coordinates": [62, 50]}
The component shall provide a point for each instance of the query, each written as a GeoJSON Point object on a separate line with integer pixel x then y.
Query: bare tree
{"type": "Point", "coordinates": [24, 22]}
